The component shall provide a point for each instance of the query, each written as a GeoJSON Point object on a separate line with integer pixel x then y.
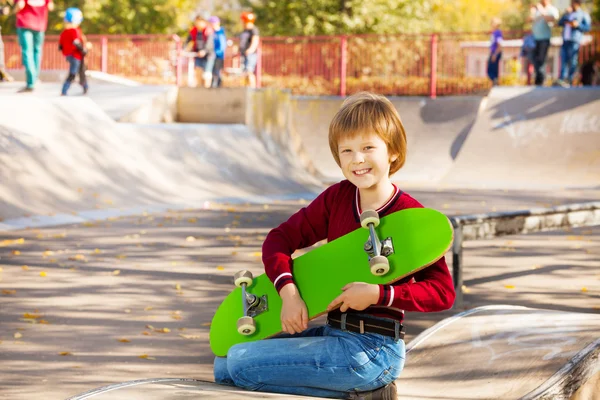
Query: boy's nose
{"type": "Point", "coordinates": [358, 158]}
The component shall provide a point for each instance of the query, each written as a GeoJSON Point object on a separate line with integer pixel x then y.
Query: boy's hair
{"type": "Point", "coordinates": [366, 112]}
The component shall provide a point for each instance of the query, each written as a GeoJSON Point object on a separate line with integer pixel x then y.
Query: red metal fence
{"type": "Point", "coordinates": [420, 64]}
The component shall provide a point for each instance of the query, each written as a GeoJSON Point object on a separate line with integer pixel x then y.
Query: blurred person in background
{"type": "Point", "coordinates": [4, 76]}
{"type": "Point", "coordinates": [220, 47]}
{"type": "Point", "coordinates": [32, 21]}
{"type": "Point", "coordinates": [249, 41]}
{"type": "Point", "coordinates": [73, 45]}
{"type": "Point", "coordinates": [543, 15]}
{"type": "Point", "coordinates": [527, 50]}
{"type": "Point", "coordinates": [493, 67]}
{"type": "Point", "coordinates": [575, 21]}
{"type": "Point", "coordinates": [200, 41]}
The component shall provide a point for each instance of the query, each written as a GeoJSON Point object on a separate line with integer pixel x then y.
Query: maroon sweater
{"type": "Point", "coordinates": [336, 212]}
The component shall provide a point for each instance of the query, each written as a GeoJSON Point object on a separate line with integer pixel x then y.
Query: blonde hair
{"type": "Point", "coordinates": [368, 112]}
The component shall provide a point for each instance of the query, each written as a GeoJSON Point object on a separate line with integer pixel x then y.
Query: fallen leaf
{"type": "Point", "coordinates": [116, 272]}
{"type": "Point", "coordinates": [43, 322]}
{"type": "Point", "coordinates": [43, 274]}
{"type": "Point", "coordinates": [127, 311]}
{"type": "Point", "coordinates": [78, 257]}
{"type": "Point", "coordinates": [146, 333]}
{"type": "Point", "coordinates": [190, 239]}
{"type": "Point", "coordinates": [146, 357]}
{"type": "Point", "coordinates": [123, 340]}
{"type": "Point", "coordinates": [47, 253]}
{"type": "Point", "coordinates": [220, 268]}
{"type": "Point", "coordinates": [150, 327]}
{"type": "Point", "coordinates": [25, 268]}
{"type": "Point", "coordinates": [190, 336]}
{"type": "Point", "coordinates": [32, 316]}
{"type": "Point", "coordinates": [509, 286]}
{"type": "Point", "coordinates": [257, 254]}
{"type": "Point", "coordinates": [266, 206]}
{"type": "Point", "coordinates": [584, 289]}
{"type": "Point", "coordinates": [205, 324]}
{"type": "Point", "coordinates": [163, 330]}
{"type": "Point", "coordinates": [148, 308]}
{"type": "Point", "coordinates": [8, 292]}
{"type": "Point", "coordinates": [18, 335]}
{"type": "Point", "coordinates": [177, 286]}
{"type": "Point", "coordinates": [121, 256]}
{"type": "Point", "coordinates": [15, 252]}
{"type": "Point", "coordinates": [65, 353]}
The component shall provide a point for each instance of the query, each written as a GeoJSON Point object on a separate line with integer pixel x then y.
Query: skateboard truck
{"type": "Point", "coordinates": [252, 305]}
{"type": "Point", "coordinates": [376, 249]}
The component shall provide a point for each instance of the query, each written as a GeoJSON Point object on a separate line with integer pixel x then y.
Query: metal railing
{"type": "Point", "coordinates": [437, 64]}
{"type": "Point", "coordinates": [491, 225]}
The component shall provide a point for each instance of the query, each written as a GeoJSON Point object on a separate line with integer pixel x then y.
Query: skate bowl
{"type": "Point", "coordinates": [491, 352]}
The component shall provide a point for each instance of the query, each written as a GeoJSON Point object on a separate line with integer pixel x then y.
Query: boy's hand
{"type": "Point", "coordinates": [357, 296]}
{"type": "Point", "coordinates": [201, 53]}
{"type": "Point", "coordinates": [294, 314]}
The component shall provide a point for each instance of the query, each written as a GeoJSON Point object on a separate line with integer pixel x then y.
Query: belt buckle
{"type": "Point", "coordinates": [362, 326]}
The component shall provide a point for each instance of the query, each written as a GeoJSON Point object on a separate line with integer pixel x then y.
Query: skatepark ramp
{"type": "Point", "coordinates": [65, 155]}
{"type": "Point", "coordinates": [532, 138]}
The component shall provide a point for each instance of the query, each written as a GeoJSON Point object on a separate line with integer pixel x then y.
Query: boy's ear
{"type": "Point", "coordinates": [393, 158]}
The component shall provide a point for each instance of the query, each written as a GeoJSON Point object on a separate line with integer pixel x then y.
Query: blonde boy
{"type": "Point", "coordinates": [368, 142]}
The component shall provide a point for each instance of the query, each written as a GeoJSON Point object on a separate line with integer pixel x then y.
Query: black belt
{"type": "Point", "coordinates": [365, 324]}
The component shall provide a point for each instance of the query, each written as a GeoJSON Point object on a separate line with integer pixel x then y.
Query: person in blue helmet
{"type": "Point", "coordinates": [73, 45]}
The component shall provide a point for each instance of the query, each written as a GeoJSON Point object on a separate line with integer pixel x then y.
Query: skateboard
{"type": "Point", "coordinates": [382, 251]}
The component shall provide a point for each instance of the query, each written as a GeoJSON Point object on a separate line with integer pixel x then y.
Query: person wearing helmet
{"type": "Point", "coordinates": [73, 46]}
{"type": "Point", "coordinates": [32, 21]}
{"type": "Point", "coordinates": [200, 41]}
{"type": "Point", "coordinates": [220, 47]}
{"type": "Point", "coordinates": [249, 40]}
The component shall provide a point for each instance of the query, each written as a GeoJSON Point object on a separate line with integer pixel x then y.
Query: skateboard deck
{"type": "Point", "coordinates": [419, 236]}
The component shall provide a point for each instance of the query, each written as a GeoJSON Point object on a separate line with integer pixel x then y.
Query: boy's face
{"type": "Point", "coordinates": [364, 160]}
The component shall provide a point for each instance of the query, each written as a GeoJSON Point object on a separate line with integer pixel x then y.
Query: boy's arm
{"type": "Point", "coordinates": [254, 43]}
{"type": "Point", "coordinates": [563, 19]}
{"type": "Point", "coordinates": [50, 5]}
{"type": "Point", "coordinates": [432, 291]}
{"type": "Point", "coordinates": [303, 229]}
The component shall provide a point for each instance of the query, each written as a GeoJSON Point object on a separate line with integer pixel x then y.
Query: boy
{"type": "Point", "coordinates": [249, 40]}
{"type": "Point", "coordinates": [495, 52]}
{"type": "Point", "coordinates": [575, 22]}
{"type": "Point", "coordinates": [200, 41]}
{"type": "Point", "coordinates": [73, 46]}
{"type": "Point", "coordinates": [220, 47]}
{"type": "Point", "coordinates": [368, 142]}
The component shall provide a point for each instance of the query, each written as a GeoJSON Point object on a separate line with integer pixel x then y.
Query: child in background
{"type": "Point", "coordinates": [73, 46]}
{"type": "Point", "coordinates": [220, 47]}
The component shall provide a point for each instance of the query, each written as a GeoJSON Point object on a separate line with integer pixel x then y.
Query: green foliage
{"type": "Point", "coordinates": [119, 16]}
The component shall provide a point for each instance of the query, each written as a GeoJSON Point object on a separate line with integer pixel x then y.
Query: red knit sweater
{"type": "Point", "coordinates": [336, 212]}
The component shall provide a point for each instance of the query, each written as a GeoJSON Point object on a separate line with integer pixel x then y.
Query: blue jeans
{"type": "Point", "coordinates": [493, 68]}
{"type": "Point", "coordinates": [569, 57]}
{"type": "Point", "coordinates": [74, 65]}
{"type": "Point", "coordinates": [321, 361]}
{"type": "Point", "coordinates": [32, 43]}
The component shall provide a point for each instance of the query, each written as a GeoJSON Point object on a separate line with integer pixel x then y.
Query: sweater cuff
{"type": "Point", "coordinates": [282, 280]}
{"type": "Point", "coordinates": [386, 295]}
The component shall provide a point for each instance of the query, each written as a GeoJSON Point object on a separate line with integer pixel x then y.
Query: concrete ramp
{"type": "Point", "coordinates": [65, 155]}
{"type": "Point", "coordinates": [532, 138]}
{"type": "Point", "coordinates": [505, 352]}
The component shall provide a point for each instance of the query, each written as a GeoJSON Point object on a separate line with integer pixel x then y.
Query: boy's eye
{"type": "Point", "coordinates": [346, 151]}
{"type": "Point", "coordinates": [369, 147]}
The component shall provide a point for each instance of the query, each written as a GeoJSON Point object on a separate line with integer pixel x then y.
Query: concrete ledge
{"type": "Point", "coordinates": [487, 226]}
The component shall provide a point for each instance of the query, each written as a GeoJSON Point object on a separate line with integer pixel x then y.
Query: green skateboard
{"type": "Point", "coordinates": [407, 241]}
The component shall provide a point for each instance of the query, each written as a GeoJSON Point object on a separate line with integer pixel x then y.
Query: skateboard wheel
{"type": "Point", "coordinates": [369, 217]}
{"type": "Point", "coordinates": [379, 265]}
{"type": "Point", "coordinates": [243, 277]}
{"type": "Point", "coordinates": [246, 326]}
